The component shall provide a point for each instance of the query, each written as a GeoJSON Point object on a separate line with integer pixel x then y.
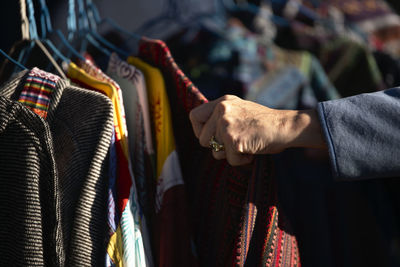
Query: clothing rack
{"type": "Point", "coordinates": [99, 164]}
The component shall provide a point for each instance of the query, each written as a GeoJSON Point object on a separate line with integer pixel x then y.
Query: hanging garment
{"type": "Point", "coordinates": [126, 244]}
{"type": "Point", "coordinates": [234, 210]}
{"type": "Point", "coordinates": [349, 64]}
{"type": "Point", "coordinates": [258, 56]}
{"type": "Point", "coordinates": [29, 190]}
{"type": "Point", "coordinates": [31, 54]}
{"type": "Point", "coordinates": [310, 67]}
{"type": "Point", "coordinates": [80, 77]}
{"type": "Point", "coordinates": [115, 254]}
{"type": "Point", "coordinates": [127, 73]}
{"type": "Point", "coordinates": [81, 139]}
{"type": "Point", "coordinates": [133, 88]}
{"type": "Point", "coordinates": [376, 19]}
{"type": "Point", "coordinates": [213, 78]}
{"type": "Point", "coordinates": [113, 217]}
{"type": "Point", "coordinates": [172, 235]}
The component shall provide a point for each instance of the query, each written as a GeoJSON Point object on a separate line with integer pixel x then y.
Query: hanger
{"type": "Point", "coordinates": [24, 20]}
{"type": "Point", "coordinates": [13, 60]}
{"type": "Point", "coordinates": [7, 69]}
{"type": "Point", "coordinates": [94, 17]}
{"type": "Point", "coordinates": [95, 21]}
{"type": "Point", "coordinates": [171, 14]}
{"type": "Point", "coordinates": [64, 41]}
{"type": "Point", "coordinates": [25, 36]}
{"type": "Point", "coordinates": [33, 35]}
{"type": "Point", "coordinates": [33, 39]}
{"type": "Point", "coordinates": [47, 27]}
{"type": "Point", "coordinates": [84, 34]}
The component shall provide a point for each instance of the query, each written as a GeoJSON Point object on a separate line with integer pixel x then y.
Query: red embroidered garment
{"type": "Point", "coordinates": [233, 210]}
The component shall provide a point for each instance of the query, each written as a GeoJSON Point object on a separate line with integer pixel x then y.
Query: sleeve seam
{"type": "Point", "coordinates": [329, 140]}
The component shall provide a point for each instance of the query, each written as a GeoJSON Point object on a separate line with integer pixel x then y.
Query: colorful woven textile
{"type": "Point", "coordinates": [37, 91]}
{"type": "Point", "coordinates": [234, 210]}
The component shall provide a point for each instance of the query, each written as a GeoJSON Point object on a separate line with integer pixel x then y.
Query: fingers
{"type": "Point", "coordinates": [236, 158]}
{"type": "Point", "coordinates": [209, 129]}
{"type": "Point", "coordinates": [200, 115]}
{"type": "Point", "coordinates": [207, 122]}
{"type": "Point", "coordinates": [219, 155]}
{"type": "Point", "coordinates": [231, 154]}
{"type": "Point", "coordinates": [233, 158]}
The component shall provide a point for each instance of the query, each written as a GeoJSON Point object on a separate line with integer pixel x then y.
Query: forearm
{"type": "Point", "coordinates": [302, 128]}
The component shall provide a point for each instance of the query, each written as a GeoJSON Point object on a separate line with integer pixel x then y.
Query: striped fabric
{"type": "Point", "coordinates": [78, 131]}
{"type": "Point", "coordinates": [234, 209]}
{"type": "Point", "coordinates": [28, 179]}
{"type": "Point", "coordinates": [37, 91]}
{"type": "Point", "coordinates": [98, 81]}
{"type": "Point", "coordinates": [81, 140]}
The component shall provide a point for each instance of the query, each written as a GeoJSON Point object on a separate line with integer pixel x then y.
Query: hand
{"type": "Point", "coordinates": [247, 128]}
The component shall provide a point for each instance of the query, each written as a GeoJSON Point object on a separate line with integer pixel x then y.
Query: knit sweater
{"type": "Point", "coordinates": [80, 124]}
{"type": "Point", "coordinates": [30, 226]}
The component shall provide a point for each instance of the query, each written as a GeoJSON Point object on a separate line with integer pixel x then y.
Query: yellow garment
{"type": "Point", "coordinates": [76, 73]}
{"type": "Point", "coordinates": [159, 109]}
{"type": "Point", "coordinates": [115, 247]}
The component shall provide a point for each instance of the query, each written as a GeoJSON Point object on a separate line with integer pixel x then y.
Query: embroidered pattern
{"type": "Point", "coordinates": [123, 69]}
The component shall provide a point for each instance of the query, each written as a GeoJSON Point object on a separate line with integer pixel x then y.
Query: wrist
{"type": "Point", "coordinates": [304, 129]}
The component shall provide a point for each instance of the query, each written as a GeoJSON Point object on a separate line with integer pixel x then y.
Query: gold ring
{"type": "Point", "coordinates": [215, 146]}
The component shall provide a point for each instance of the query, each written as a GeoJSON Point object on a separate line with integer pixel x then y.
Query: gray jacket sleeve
{"type": "Point", "coordinates": [363, 135]}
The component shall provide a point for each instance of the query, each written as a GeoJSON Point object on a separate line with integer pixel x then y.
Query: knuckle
{"type": "Point", "coordinates": [237, 145]}
{"type": "Point", "coordinates": [223, 107]}
{"type": "Point", "coordinates": [226, 97]}
{"type": "Point", "coordinates": [229, 141]}
{"type": "Point", "coordinates": [229, 97]}
{"type": "Point", "coordinates": [225, 121]}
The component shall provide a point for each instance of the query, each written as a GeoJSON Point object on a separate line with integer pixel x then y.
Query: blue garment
{"type": "Point", "coordinates": [363, 135]}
